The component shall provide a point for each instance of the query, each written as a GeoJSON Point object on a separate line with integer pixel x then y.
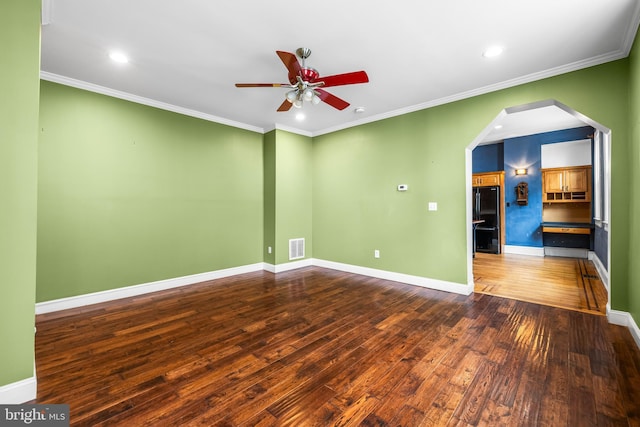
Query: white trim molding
{"type": "Point", "coordinates": [523, 250]}
{"type": "Point", "coordinates": [623, 318]}
{"type": "Point", "coordinates": [287, 266]}
{"type": "Point", "coordinates": [602, 272]}
{"type": "Point", "coordinates": [425, 282]}
{"type": "Point", "coordinates": [145, 288]}
{"type": "Point", "coordinates": [19, 391]}
{"type": "Point", "coordinates": [103, 90]}
{"type": "Point", "coordinates": [566, 252]}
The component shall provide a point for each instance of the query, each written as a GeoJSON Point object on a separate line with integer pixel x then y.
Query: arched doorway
{"type": "Point", "coordinates": [547, 116]}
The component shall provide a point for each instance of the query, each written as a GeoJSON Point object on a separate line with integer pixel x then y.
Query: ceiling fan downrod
{"type": "Point", "coordinates": [303, 53]}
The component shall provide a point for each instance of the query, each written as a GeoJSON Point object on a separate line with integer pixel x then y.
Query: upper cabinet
{"type": "Point", "coordinates": [486, 179]}
{"type": "Point", "coordinates": [571, 184]}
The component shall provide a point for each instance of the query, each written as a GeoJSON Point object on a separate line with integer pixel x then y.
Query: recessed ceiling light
{"type": "Point", "coordinates": [492, 52]}
{"type": "Point", "coordinates": [359, 110]}
{"type": "Point", "coordinates": [118, 57]}
{"type": "Point", "coordinates": [299, 117]}
{"type": "Point", "coordinates": [498, 127]}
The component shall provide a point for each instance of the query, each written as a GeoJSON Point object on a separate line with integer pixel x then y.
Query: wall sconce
{"type": "Point", "coordinates": [521, 171]}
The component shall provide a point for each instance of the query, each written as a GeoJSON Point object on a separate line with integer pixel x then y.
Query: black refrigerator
{"type": "Point", "coordinates": [486, 208]}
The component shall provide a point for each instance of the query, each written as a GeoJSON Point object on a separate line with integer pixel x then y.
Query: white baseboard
{"type": "Point", "coordinates": [425, 282]}
{"type": "Point", "coordinates": [566, 252]}
{"type": "Point", "coordinates": [616, 317]}
{"type": "Point", "coordinates": [19, 392]}
{"type": "Point", "coordinates": [145, 288]}
{"type": "Point", "coordinates": [523, 250]}
{"type": "Point", "coordinates": [288, 266]}
{"type": "Point", "coordinates": [130, 291]}
{"type": "Point", "coordinates": [602, 272]}
{"type": "Point", "coordinates": [623, 318]}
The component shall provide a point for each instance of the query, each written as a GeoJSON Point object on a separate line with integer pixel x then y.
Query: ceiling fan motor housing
{"type": "Point", "coordinates": [307, 74]}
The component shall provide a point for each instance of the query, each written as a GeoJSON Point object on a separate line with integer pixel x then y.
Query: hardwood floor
{"type": "Point", "coordinates": [326, 348]}
{"type": "Point", "coordinates": [568, 283]}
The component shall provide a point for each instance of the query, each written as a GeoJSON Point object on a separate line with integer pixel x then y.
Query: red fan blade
{"type": "Point", "coordinates": [286, 106]}
{"type": "Point", "coordinates": [262, 85]}
{"type": "Point", "coordinates": [332, 100]}
{"type": "Point", "coordinates": [344, 79]}
{"type": "Point", "coordinates": [291, 62]}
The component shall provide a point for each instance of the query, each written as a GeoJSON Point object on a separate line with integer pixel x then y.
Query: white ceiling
{"type": "Point", "coordinates": [186, 55]}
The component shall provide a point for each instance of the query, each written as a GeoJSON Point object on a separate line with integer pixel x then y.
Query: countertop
{"type": "Point", "coordinates": [567, 224]}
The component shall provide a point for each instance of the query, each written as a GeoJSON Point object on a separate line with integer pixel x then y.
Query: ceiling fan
{"type": "Point", "coordinates": [306, 84]}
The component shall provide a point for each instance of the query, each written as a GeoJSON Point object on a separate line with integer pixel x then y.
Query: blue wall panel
{"type": "Point", "coordinates": [488, 158]}
{"type": "Point", "coordinates": [601, 246]}
{"type": "Point", "coordinates": [522, 223]}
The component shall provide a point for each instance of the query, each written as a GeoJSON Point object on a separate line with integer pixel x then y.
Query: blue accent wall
{"type": "Point", "coordinates": [488, 158]}
{"type": "Point", "coordinates": [522, 223]}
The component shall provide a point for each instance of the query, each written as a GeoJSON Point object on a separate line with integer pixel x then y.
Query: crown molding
{"type": "Point", "coordinates": [293, 130]}
{"type": "Point", "coordinates": [632, 31]}
{"type": "Point", "coordinates": [552, 72]}
{"type": "Point", "coordinates": [46, 13]}
{"type": "Point", "coordinates": [79, 84]}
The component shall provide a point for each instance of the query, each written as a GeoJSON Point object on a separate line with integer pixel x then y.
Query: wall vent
{"type": "Point", "coordinates": [296, 248]}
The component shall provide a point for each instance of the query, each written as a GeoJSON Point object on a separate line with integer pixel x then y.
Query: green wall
{"type": "Point", "coordinates": [289, 158]}
{"type": "Point", "coordinates": [19, 77]}
{"type": "Point", "coordinates": [357, 209]}
{"type": "Point", "coordinates": [130, 194]}
{"type": "Point", "coordinates": [293, 196]}
{"type": "Point", "coordinates": [269, 197]}
{"type": "Point", "coordinates": [632, 189]}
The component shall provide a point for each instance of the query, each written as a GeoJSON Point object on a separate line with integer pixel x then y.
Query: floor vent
{"type": "Point", "coordinates": [296, 248]}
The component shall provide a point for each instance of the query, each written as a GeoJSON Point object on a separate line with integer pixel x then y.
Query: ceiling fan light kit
{"type": "Point", "coordinates": [305, 82]}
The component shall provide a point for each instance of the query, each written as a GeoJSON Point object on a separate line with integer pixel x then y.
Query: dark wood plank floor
{"type": "Point", "coordinates": [326, 348]}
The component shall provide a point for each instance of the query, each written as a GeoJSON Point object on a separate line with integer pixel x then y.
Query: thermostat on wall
{"type": "Point", "coordinates": [403, 187]}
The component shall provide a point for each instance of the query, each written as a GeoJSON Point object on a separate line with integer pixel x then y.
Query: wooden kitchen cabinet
{"type": "Point", "coordinates": [567, 184]}
{"type": "Point", "coordinates": [553, 181]}
{"type": "Point", "coordinates": [578, 179]}
{"type": "Point", "coordinates": [486, 179]}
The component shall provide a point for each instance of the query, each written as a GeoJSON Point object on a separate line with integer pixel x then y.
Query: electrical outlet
{"type": "Point", "coordinates": [433, 206]}
{"type": "Point", "coordinates": [376, 254]}
{"type": "Point", "coordinates": [269, 249]}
